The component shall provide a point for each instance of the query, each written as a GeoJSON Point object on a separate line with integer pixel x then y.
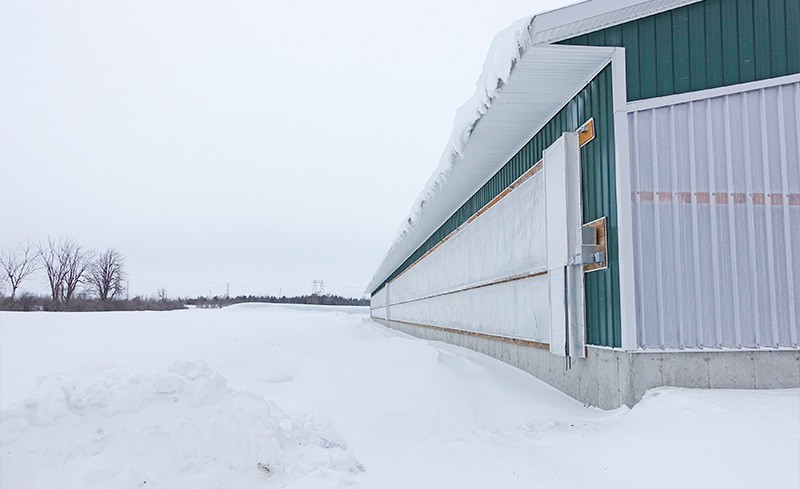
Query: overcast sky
{"type": "Point", "coordinates": [261, 144]}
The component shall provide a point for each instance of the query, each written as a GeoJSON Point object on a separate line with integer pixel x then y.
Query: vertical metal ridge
{"type": "Point", "coordinates": [715, 284]}
{"type": "Point", "coordinates": [695, 229]}
{"type": "Point", "coordinates": [638, 270]}
{"type": "Point", "coordinates": [787, 228]}
{"type": "Point", "coordinates": [676, 228]}
{"type": "Point", "coordinates": [751, 231]}
{"type": "Point", "coordinates": [657, 223]}
{"type": "Point", "coordinates": [768, 216]}
{"type": "Point", "coordinates": [733, 252]}
{"type": "Point", "coordinates": [794, 326]}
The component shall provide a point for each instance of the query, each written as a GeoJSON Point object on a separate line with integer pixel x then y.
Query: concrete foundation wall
{"type": "Point", "coordinates": [609, 378]}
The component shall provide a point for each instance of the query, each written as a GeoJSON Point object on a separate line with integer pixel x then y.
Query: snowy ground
{"type": "Point", "coordinates": [308, 397]}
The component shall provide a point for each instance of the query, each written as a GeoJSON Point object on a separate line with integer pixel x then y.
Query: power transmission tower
{"type": "Point", "coordinates": [317, 287]}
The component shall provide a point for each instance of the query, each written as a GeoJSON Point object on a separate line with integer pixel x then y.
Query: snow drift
{"type": "Point", "coordinates": [415, 413]}
{"type": "Point", "coordinates": [110, 426]}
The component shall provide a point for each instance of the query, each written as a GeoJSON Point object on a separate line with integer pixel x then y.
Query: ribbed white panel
{"type": "Point", "coordinates": [517, 309]}
{"type": "Point", "coordinates": [716, 215]}
{"type": "Point", "coordinates": [503, 244]}
{"type": "Point", "coordinates": [378, 299]}
{"type": "Point", "coordinates": [377, 304]}
{"type": "Point", "coordinates": [506, 240]}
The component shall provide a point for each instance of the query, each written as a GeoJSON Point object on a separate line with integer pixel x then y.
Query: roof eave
{"type": "Point", "coordinates": [543, 81]}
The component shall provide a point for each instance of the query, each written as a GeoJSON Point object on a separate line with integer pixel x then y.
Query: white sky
{"type": "Point", "coordinates": [253, 143]}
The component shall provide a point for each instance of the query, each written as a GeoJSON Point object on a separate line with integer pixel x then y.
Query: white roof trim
{"type": "Point", "coordinates": [593, 15]}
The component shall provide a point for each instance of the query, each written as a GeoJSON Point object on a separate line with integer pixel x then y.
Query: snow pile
{"type": "Point", "coordinates": [114, 427]}
{"type": "Point", "coordinates": [506, 49]}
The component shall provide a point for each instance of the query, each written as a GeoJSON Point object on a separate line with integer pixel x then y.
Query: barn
{"type": "Point", "coordinates": [619, 205]}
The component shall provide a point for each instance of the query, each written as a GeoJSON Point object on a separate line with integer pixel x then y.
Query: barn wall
{"type": "Point", "coordinates": [599, 200]}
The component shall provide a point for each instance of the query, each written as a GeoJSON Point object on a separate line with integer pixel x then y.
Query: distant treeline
{"type": "Point", "coordinates": [84, 303]}
{"type": "Point", "coordinates": [324, 300]}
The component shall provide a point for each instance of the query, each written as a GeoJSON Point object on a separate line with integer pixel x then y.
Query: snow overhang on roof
{"type": "Point", "coordinates": [524, 98]}
{"type": "Point", "coordinates": [542, 82]}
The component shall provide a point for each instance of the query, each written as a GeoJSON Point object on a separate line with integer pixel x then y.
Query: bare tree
{"type": "Point", "coordinates": [65, 263]}
{"type": "Point", "coordinates": [17, 264]}
{"type": "Point", "coordinates": [106, 275]}
{"type": "Point", "coordinates": [77, 262]}
{"type": "Point", "coordinates": [54, 266]}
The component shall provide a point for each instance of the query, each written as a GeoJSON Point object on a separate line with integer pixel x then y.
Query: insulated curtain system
{"type": "Point", "coordinates": [509, 270]}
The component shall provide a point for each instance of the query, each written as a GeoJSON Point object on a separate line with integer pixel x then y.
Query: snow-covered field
{"type": "Point", "coordinates": [259, 396]}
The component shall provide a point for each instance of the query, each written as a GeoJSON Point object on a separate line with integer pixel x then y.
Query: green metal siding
{"type": "Point", "coordinates": [704, 45]}
{"type": "Point", "coordinates": [599, 199]}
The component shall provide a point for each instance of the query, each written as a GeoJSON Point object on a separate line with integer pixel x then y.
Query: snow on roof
{"type": "Point", "coordinates": [508, 48]}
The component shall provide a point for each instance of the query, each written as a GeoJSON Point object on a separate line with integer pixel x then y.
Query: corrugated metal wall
{"type": "Point", "coordinates": [704, 45]}
{"type": "Point", "coordinates": [599, 199]}
{"type": "Point", "coordinates": [716, 214]}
